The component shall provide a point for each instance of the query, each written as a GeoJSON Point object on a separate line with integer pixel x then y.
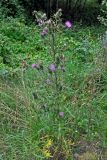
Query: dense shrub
{"type": "Point", "coordinates": [103, 17]}
{"type": "Point", "coordinates": [11, 8]}
{"type": "Point", "coordinates": [19, 42]}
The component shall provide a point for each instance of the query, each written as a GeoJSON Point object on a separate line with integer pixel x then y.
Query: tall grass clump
{"type": "Point", "coordinates": [56, 110]}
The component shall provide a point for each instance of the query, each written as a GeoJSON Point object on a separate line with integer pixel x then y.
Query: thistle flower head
{"type": "Point", "coordinates": [52, 67]}
{"type": "Point", "coordinates": [44, 32]}
{"type": "Point", "coordinates": [61, 114]}
{"type": "Point", "coordinates": [68, 24]}
{"type": "Point", "coordinates": [35, 65]}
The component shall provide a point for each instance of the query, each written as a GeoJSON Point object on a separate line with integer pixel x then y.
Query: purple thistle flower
{"type": "Point", "coordinates": [46, 29]}
{"type": "Point", "coordinates": [44, 32]}
{"type": "Point", "coordinates": [61, 114]}
{"type": "Point", "coordinates": [68, 24]}
{"type": "Point", "coordinates": [35, 65]}
{"type": "Point", "coordinates": [52, 67]}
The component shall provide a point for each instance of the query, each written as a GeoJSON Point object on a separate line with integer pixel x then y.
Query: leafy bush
{"type": "Point", "coordinates": [10, 8]}
{"type": "Point", "coordinates": [18, 43]}
{"type": "Point", "coordinates": [103, 17]}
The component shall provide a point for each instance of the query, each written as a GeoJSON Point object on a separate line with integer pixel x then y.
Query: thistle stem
{"type": "Point", "coordinates": [54, 56]}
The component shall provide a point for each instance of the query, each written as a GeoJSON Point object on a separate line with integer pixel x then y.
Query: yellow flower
{"type": "Point", "coordinates": [47, 154]}
{"type": "Point", "coordinates": [46, 148]}
{"type": "Point", "coordinates": [49, 143]}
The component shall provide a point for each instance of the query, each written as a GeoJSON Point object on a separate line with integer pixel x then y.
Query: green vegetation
{"type": "Point", "coordinates": [18, 43]}
{"type": "Point", "coordinates": [103, 16]}
{"type": "Point", "coordinates": [53, 80]}
{"type": "Point", "coordinates": [35, 122]}
{"type": "Point", "coordinates": [85, 10]}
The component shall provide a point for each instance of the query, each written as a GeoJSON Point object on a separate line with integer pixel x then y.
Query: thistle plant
{"type": "Point", "coordinates": [50, 30]}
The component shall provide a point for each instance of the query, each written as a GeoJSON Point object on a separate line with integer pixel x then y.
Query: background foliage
{"type": "Point", "coordinates": [85, 10]}
{"type": "Point", "coordinates": [103, 16]}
